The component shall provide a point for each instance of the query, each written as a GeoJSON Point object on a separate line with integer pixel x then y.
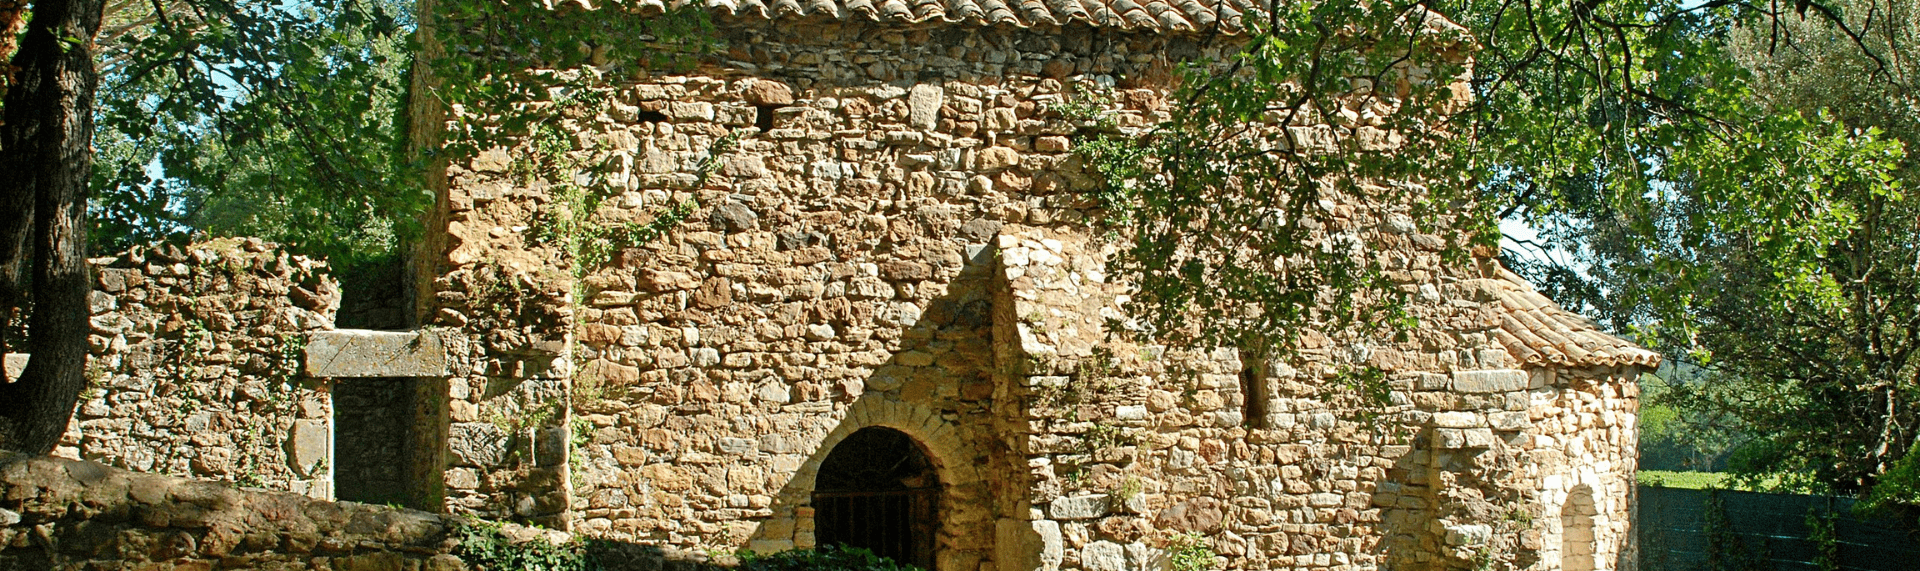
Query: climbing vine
{"type": "Point", "coordinates": [1826, 539]}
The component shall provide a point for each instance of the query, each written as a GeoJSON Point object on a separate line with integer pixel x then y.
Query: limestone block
{"type": "Point", "coordinates": [1103, 555]}
{"type": "Point", "coordinates": [1140, 556]}
{"type": "Point", "coordinates": [1087, 506]}
{"type": "Point", "coordinates": [1490, 381]}
{"type": "Point", "coordinates": [1052, 547]}
{"type": "Point", "coordinates": [1458, 420]}
{"type": "Point", "coordinates": [997, 158]}
{"type": "Point", "coordinates": [923, 105]}
{"type": "Point", "coordinates": [309, 445]}
{"type": "Point", "coordinates": [1507, 420]}
{"type": "Point", "coordinates": [1468, 534]}
{"type": "Point", "coordinates": [349, 353]}
{"type": "Point", "coordinates": [1203, 515]}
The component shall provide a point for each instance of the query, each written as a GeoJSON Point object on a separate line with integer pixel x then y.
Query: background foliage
{"type": "Point", "coordinates": [1683, 156]}
{"type": "Point", "coordinates": [285, 121]}
{"type": "Point", "coordinates": [1770, 252]}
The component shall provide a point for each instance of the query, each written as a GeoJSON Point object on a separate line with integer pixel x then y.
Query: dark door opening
{"type": "Point", "coordinates": [878, 490]}
{"type": "Point", "coordinates": [387, 434]}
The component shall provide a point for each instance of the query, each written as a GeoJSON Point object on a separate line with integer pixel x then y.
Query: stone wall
{"type": "Point", "coordinates": [58, 514]}
{"type": "Point", "coordinates": [195, 366]}
{"type": "Point", "coordinates": [64, 514]}
{"type": "Point", "coordinates": [1584, 440]}
{"type": "Point", "coordinates": [1469, 460]}
{"type": "Point", "coordinates": [900, 238]}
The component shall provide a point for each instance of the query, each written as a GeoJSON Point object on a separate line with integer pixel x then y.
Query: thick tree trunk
{"type": "Point", "coordinates": [46, 151]}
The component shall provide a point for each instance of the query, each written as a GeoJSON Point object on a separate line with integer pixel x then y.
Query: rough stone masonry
{"type": "Point", "coordinates": [897, 245]}
{"type": "Point", "coordinates": [900, 241]}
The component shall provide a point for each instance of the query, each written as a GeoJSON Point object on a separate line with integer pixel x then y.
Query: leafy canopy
{"type": "Point", "coordinates": [1726, 229]}
{"type": "Point", "coordinates": [280, 120]}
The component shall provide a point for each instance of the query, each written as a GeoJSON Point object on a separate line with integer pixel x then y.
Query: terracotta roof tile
{"type": "Point", "coordinates": [1535, 331]}
{"type": "Point", "coordinates": [1227, 16]}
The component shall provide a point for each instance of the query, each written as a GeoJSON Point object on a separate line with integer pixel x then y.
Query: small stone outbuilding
{"type": "Point", "coordinates": [888, 325]}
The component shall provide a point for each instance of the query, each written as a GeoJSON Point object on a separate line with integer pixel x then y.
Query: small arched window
{"type": "Point", "coordinates": [1577, 552]}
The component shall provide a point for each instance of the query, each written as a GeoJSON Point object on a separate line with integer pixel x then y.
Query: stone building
{"type": "Point", "coordinates": [887, 324]}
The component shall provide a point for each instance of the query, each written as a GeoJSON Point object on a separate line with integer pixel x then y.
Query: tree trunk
{"type": "Point", "coordinates": [46, 148]}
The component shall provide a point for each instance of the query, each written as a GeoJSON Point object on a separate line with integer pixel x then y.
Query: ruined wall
{"type": "Point", "coordinates": [194, 366]}
{"type": "Point", "coordinates": [58, 514]}
{"type": "Point", "coordinates": [64, 514]}
{"type": "Point", "coordinates": [868, 253]}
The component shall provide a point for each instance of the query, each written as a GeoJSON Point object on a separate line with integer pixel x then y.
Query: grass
{"type": "Point", "coordinates": [1704, 480]}
{"type": "Point", "coordinates": [1684, 480]}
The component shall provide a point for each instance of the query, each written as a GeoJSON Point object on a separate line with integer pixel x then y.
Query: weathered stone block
{"type": "Point", "coordinates": [767, 92]}
{"type": "Point", "coordinates": [1078, 507]}
{"type": "Point", "coordinates": [1458, 420]}
{"type": "Point", "coordinates": [1490, 381]}
{"type": "Point", "coordinates": [1104, 555]}
{"type": "Point", "coordinates": [309, 445]}
{"type": "Point", "coordinates": [477, 444]}
{"type": "Point", "coordinates": [923, 105]}
{"type": "Point", "coordinates": [359, 353]}
{"type": "Point", "coordinates": [1507, 420]}
{"type": "Point", "coordinates": [16, 363]}
{"type": "Point", "coordinates": [1202, 515]}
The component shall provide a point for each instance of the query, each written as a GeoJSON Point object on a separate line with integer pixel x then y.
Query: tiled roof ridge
{"type": "Point", "coordinates": [1537, 331]}
{"type": "Point", "coordinates": [1173, 16]}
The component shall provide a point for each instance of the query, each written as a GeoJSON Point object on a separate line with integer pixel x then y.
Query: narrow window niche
{"type": "Point", "coordinates": [763, 117]}
{"type": "Point", "coordinates": [1255, 393]}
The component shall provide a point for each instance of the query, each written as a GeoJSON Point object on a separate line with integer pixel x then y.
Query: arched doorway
{"type": "Point", "coordinates": [879, 490]}
{"type": "Point", "coordinates": [1576, 530]}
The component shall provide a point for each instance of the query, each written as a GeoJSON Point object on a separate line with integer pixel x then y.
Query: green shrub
{"type": "Point", "coordinates": [484, 547]}
{"type": "Point", "coordinates": [825, 558]}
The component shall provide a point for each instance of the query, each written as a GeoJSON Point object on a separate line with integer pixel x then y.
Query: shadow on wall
{"type": "Point", "coordinates": [936, 390]}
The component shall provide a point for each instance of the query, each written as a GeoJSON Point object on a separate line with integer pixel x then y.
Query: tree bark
{"type": "Point", "coordinates": [46, 148]}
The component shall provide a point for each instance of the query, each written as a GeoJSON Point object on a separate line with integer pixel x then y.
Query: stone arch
{"type": "Point", "coordinates": [965, 512]}
{"type": "Point", "coordinates": [878, 490]}
{"type": "Point", "coordinates": [1578, 549]}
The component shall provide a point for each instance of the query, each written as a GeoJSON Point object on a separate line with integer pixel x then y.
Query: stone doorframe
{"type": "Point", "coordinates": [417, 358]}
{"type": "Point", "coordinates": [966, 532]}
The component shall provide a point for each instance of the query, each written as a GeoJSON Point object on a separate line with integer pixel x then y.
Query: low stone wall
{"type": "Point", "coordinates": [195, 366]}
{"type": "Point", "coordinates": [59, 514]}
{"type": "Point", "coordinates": [65, 514]}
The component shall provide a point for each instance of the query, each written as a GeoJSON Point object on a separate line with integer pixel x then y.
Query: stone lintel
{"type": "Point", "coordinates": [347, 353]}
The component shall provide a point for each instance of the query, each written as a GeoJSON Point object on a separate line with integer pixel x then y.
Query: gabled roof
{"type": "Point", "coordinates": [1223, 16]}
{"type": "Point", "coordinates": [1535, 331]}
